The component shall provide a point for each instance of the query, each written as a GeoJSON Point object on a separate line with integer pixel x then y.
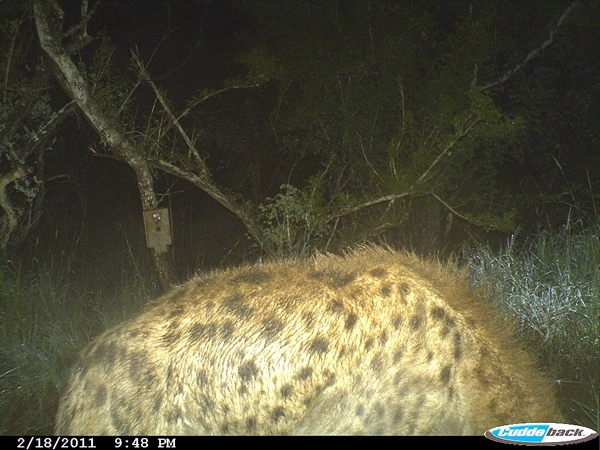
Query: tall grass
{"type": "Point", "coordinates": [550, 286]}
{"type": "Point", "coordinates": [45, 319]}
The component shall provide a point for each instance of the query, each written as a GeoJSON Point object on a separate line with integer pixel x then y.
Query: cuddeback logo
{"type": "Point", "coordinates": [541, 434]}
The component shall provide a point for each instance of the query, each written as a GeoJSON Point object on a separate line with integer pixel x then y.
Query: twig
{"type": "Point", "coordinates": [446, 149]}
{"type": "Point", "coordinates": [535, 52]}
{"type": "Point", "coordinates": [191, 148]}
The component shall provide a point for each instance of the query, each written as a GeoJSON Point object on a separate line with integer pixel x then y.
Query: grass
{"type": "Point", "coordinates": [550, 285]}
{"type": "Point", "coordinates": [46, 318]}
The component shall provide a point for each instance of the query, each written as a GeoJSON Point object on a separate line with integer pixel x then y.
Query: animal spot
{"type": "Point", "coordinates": [319, 345]}
{"type": "Point", "coordinates": [397, 356]}
{"type": "Point", "coordinates": [438, 313]}
{"type": "Point", "coordinates": [457, 346]}
{"type": "Point", "coordinates": [386, 291]}
{"type": "Point", "coordinates": [333, 278]}
{"type": "Point", "coordinates": [196, 334]}
{"type": "Point", "coordinates": [248, 371]}
{"type": "Point", "coordinates": [236, 305]}
{"type": "Point", "coordinates": [100, 397]}
{"type": "Point", "coordinates": [277, 413]}
{"type": "Point", "coordinates": [255, 277]}
{"type": "Point", "coordinates": [404, 288]}
{"type": "Point", "coordinates": [272, 328]}
{"type": "Point", "coordinates": [176, 312]}
{"type": "Point", "coordinates": [304, 374]}
{"type": "Point", "coordinates": [379, 272]}
{"type": "Point", "coordinates": [336, 306]}
{"type": "Point", "coordinates": [350, 322]}
{"type": "Point", "coordinates": [286, 391]}
{"type": "Point", "coordinates": [360, 410]}
{"type": "Point", "coordinates": [383, 337]}
{"type": "Point", "coordinates": [445, 375]}
{"type": "Point", "coordinates": [416, 322]}
{"type": "Point", "coordinates": [398, 414]}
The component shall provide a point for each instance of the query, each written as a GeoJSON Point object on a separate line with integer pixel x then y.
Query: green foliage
{"type": "Point", "coordinates": [391, 93]}
{"type": "Point", "coordinates": [261, 65]}
{"type": "Point", "coordinates": [110, 88]}
{"type": "Point", "coordinates": [291, 221]}
{"type": "Point", "coordinates": [26, 119]}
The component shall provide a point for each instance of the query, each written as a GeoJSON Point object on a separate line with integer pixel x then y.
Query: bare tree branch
{"type": "Point", "coordinates": [216, 194]}
{"type": "Point", "coordinates": [118, 142]}
{"type": "Point", "coordinates": [447, 148]}
{"type": "Point", "coordinates": [79, 31]}
{"type": "Point", "coordinates": [535, 52]}
{"type": "Point", "coordinates": [174, 121]}
{"type": "Point", "coordinates": [465, 218]}
{"type": "Point", "coordinates": [386, 198]}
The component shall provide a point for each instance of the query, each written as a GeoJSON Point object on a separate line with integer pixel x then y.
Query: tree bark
{"type": "Point", "coordinates": [47, 14]}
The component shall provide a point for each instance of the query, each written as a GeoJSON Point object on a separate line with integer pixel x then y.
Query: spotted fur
{"type": "Point", "coordinates": [373, 342]}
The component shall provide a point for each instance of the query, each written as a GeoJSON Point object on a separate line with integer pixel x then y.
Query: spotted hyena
{"type": "Point", "coordinates": [374, 342]}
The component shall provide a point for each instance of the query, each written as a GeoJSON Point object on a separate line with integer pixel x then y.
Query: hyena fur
{"type": "Point", "coordinates": [373, 342]}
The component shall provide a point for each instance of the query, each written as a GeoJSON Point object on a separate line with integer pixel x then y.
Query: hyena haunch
{"type": "Point", "coordinates": [376, 342]}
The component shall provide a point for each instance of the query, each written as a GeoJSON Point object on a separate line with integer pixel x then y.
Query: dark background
{"type": "Point", "coordinates": [91, 207]}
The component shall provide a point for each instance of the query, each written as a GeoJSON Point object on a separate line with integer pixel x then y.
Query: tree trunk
{"type": "Point", "coordinates": [47, 16]}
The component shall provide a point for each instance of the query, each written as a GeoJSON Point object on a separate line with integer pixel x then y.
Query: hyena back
{"type": "Point", "coordinates": [376, 342]}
